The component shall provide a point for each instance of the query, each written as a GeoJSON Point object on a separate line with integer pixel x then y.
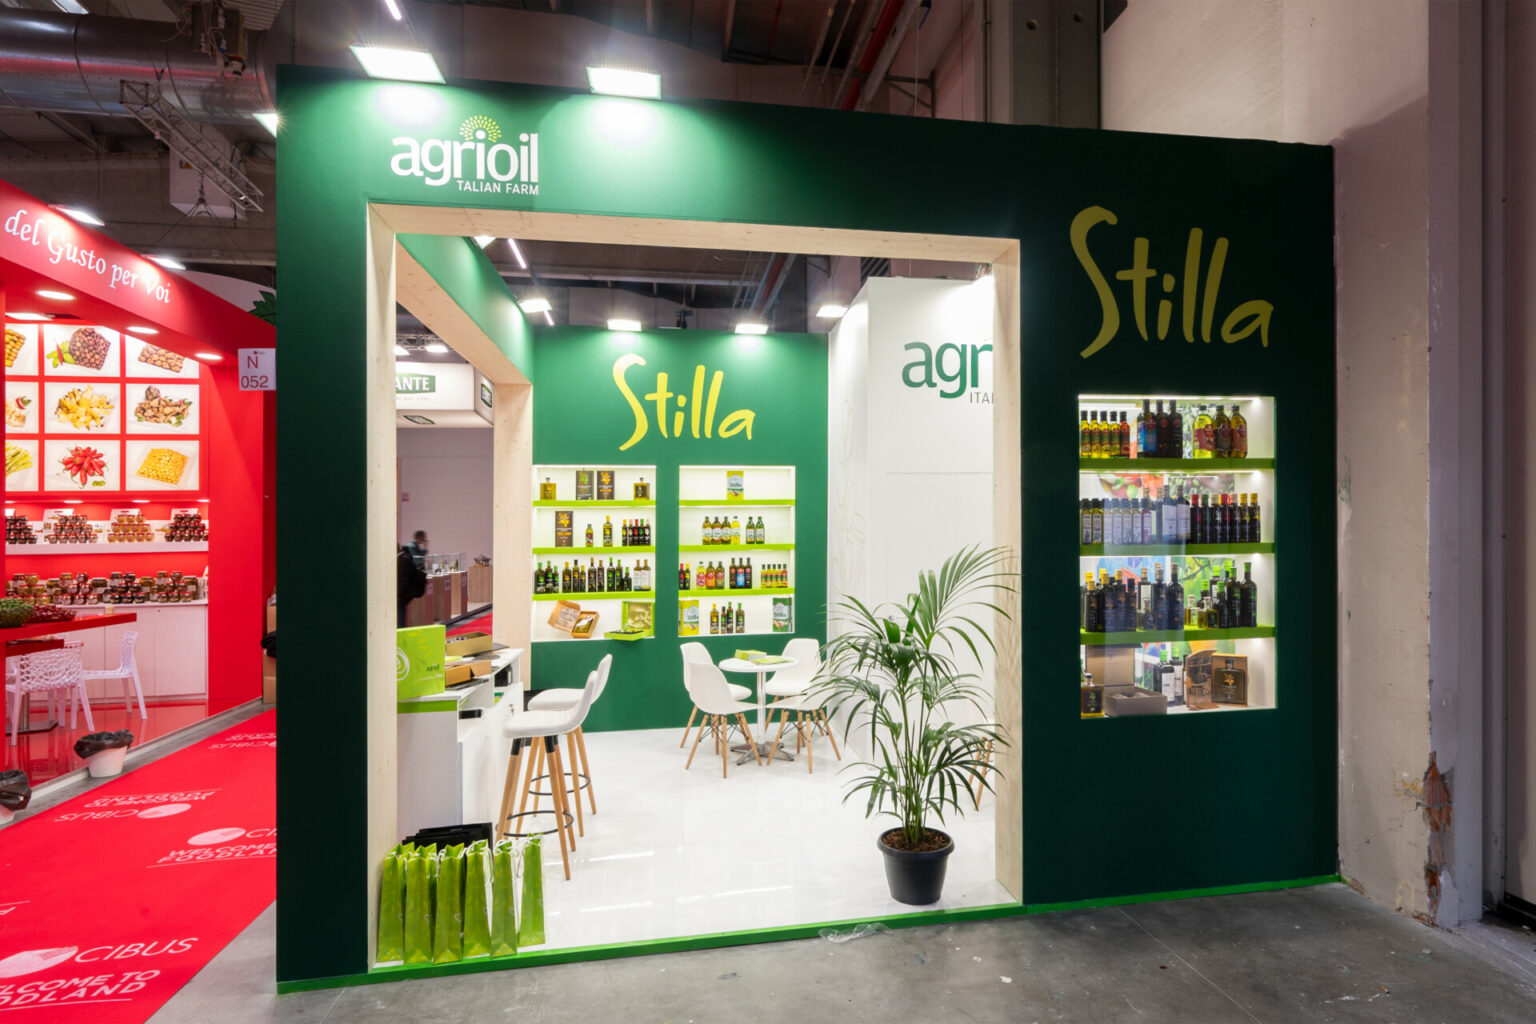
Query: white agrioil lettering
{"type": "Point", "coordinates": [476, 162]}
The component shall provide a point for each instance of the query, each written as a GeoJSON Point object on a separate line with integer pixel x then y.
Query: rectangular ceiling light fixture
{"type": "Point", "coordinates": [832, 311]}
{"type": "Point", "coordinates": [78, 215]}
{"type": "Point", "coordinates": [535, 306]}
{"type": "Point", "coordinates": [629, 326]}
{"type": "Point", "coordinates": [401, 65]}
{"type": "Point", "coordinates": [746, 328]}
{"type": "Point", "coordinates": [268, 119]}
{"type": "Point", "coordinates": [645, 85]}
{"type": "Point", "coordinates": [484, 240]}
{"type": "Point", "coordinates": [518, 252]}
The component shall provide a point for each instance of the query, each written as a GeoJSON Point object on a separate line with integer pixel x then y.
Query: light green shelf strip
{"type": "Point", "coordinates": [716, 595]}
{"type": "Point", "coordinates": [1096, 550]}
{"type": "Point", "coordinates": [735, 548]}
{"type": "Point", "coordinates": [1185, 465]}
{"type": "Point", "coordinates": [595, 550]}
{"type": "Point", "coordinates": [647, 596]}
{"type": "Point", "coordinates": [758, 503]}
{"type": "Point", "coordinates": [1159, 636]}
{"type": "Point", "coordinates": [594, 504]}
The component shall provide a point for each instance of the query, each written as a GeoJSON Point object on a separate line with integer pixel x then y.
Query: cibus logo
{"type": "Point", "coordinates": [31, 961]}
{"type": "Point", "coordinates": [477, 161]}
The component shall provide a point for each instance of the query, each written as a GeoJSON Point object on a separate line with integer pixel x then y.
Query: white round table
{"type": "Point", "coordinates": [762, 672]}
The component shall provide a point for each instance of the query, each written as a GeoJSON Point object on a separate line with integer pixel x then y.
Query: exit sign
{"type": "Point", "coordinates": [258, 369]}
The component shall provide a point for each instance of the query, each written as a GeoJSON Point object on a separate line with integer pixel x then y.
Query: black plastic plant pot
{"type": "Point", "coordinates": [916, 878]}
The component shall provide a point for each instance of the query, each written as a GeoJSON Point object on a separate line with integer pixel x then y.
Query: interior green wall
{"type": "Point", "coordinates": [466, 273]}
{"type": "Point", "coordinates": [581, 418]}
{"type": "Point", "coordinates": [1111, 808]}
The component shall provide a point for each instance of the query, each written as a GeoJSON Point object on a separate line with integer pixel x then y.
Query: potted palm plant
{"type": "Point", "coordinates": [895, 670]}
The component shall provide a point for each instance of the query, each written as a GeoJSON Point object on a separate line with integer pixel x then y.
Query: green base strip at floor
{"type": "Point", "coordinates": [781, 933]}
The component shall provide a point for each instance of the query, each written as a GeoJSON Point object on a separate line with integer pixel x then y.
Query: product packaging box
{"type": "Point", "coordinates": [586, 481]}
{"type": "Point", "coordinates": [687, 618]}
{"type": "Point", "coordinates": [1218, 678]}
{"type": "Point", "coordinates": [735, 484]}
{"type": "Point", "coordinates": [638, 616]}
{"type": "Point", "coordinates": [743, 655]}
{"type": "Point", "coordinates": [468, 643]}
{"type": "Point", "coordinates": [1113, 668]}
{"type": "Point", "coordinates": [419, 653]}
{"type": "Point", "coordinates": [605, 485]}
{"type": "Point", "coordinates": [1136, 701]}
{"type": "Point", "coordinates": [453, 675]}
{"type": "Point", "coordinates": [565, 526]}
{"type": "Point", "coordinates": [783, 615]}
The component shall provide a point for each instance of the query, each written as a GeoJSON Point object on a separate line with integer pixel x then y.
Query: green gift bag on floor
{"type": "Point", "coordinates": [392, 906]}
{"type": "Point", "coordinates": [477, 899]}
{"type": "Point", "coordinates": [530, 930]}
{"type": "Point", "coordinates": [503, 901]}
{"type": "Point", "coordinates": [448, 924]}
{"type": "Point", "coordinates": [420, 866]}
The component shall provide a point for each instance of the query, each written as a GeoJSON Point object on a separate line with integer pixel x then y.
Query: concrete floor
{"type": "Point", "coordinates": [1318, 954]}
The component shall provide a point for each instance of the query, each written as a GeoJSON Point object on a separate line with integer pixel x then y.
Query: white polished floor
{"type": "Point", "coordinates": [675, 853]}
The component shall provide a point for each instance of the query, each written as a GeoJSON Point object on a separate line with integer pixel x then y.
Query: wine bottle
{"type": "Point", "coordinates": [1125, 437]}
{"type": "Point", "coordinates": [1161, 439]}
{"type": "Point", "coordinates": [1204, 441]}
{"type": "Point", "coordinates": [714, 619]}
{"type": "Point", "coordinates": [1173, 602]}
{"type": "Point", "coordinates": [1084, 436]}
{"type": "Point", "coordinates": [1223, 431]}
{"type": "Point", "coordinates": [1239, 434]}
{"type": "Point", "coordinates": [1248, 598]}
{"type": "Point", "coordinates": [1256, 526]}
{"type": "Point", "coordinates": [1144, 422]}
{"type": "Point", "coordinates": [1158, 615]}
{"type": "Point", "coordinates": [1143, 605]}
{"type": "Point", "coordinates": [1176, 427]}
{"type": "Point", "coordinates": [741, 618]}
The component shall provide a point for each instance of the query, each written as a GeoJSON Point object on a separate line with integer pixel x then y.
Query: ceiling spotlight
{"type": "Point", "coordinates": [536, 305]}
{"type": "Point", "coordinates": [437, 348]}
{"type": "Point", "coordinates": [136, 329]}
{"type": "Point", "coordinates": [401, 350]}
{"type": "Point", "coordinates": [402, 65]}
{"type": "Point", "coordinates": [518, 253]}
{"type": "Point", "coordinates": [268, 119]}
{"type": "Point", "coordinates": [747, 328]}
{"type": "Point", "coordinates": [76, 214]}
{"type": "Point", "coordinates": [169, 262]}
{"type": "Point", "coordinates": [27, 316]}
{"type": "Point", "coordinates": [645, 85]}
{"type": "Point", "coordinates": [832, 311]}
{"type": "Point", "coordinates": [484, 240]}
{"type": "Point", "coordinates": [211, 357]}
{"type": "Point", "coordinates": [631, 326]}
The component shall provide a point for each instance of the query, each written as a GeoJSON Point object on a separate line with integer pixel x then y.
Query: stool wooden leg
{"type": "Point", "coordinates": [697, 739]}
{"type": "Point", "coordinates": [534, 756]}
{"type": "Point", "coordinates": [570, 748]}
{"type": "Point", "coordinates": [558, 799]}
{"type": "Point", "coordinates": [509, 791]}
{"type": "Point", "coordinates": [581, 745]}
{"type": "Point", "coordinates": [826, 727]}
{"type": "Point", "coordinates": [689, 727]}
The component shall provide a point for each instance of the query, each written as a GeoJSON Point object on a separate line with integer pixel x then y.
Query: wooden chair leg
{"type": "Point", "coordinates": [783, 718]}
{"type": "Point", "coordinates": [745, 731]}
{"type": "Point", "coordinates": [810, 752]}
{"type": "Point", "coordinates": [570, 749]}
{"type": "Point", "coordinates": [558, 799]}
{"type": "Point", "coordinates": [697, 739]}
{"type": "Point", "coordinates": [581, 745]}
{"type": "Point", "coordinates": [533, 757]}
{"type": "Point", "coordinates": [986, 759]}
{"type": "Point", "coordinates": [509, 791]}
{"type": "Point", "coordinates": [689, 727]}
{"type": "Point", "coordinates": [722, 740]}
{"type": "Point", "coordinates": [826, 727]}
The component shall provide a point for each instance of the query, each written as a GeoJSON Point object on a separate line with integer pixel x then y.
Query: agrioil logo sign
{"type": "Point", "coordinates": [481, 159]}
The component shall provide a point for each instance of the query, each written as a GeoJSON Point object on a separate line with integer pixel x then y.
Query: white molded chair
{"type": "Point", "coordinates": [793, 687]}
{"type": "Point", "coordinates": [712, 695]}
{"type": "Point", "coordinates": [695, 652]}
{"type": "Point", "coordinates": [55, 673]}
{"type": "Point", "coordinates": [548, 726]}
{"type": "Point", "coordinates": [792, 680]}
{"type": "Point", "coordinates": [563, 699]}
{"type": "Point", "coordinates": [127, 670]}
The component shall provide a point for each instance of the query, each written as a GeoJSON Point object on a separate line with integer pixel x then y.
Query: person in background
{"type": "Point", "coordinates": [410, 579]}
{"type": "Point", "coordinates": [418, 548]}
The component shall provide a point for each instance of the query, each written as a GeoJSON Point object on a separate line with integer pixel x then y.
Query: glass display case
{"type": "Point", "coordinates": [439, 562]}
{"type": "Point", "coordinates": [1177, 554]}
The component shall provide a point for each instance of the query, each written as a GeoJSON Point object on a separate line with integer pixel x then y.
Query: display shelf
{"type": "Point", "coordinates": [573, 504]}
{"type": "Point", "coordinates": [102, 547]}
{"type": "Point", "coordinates": [1120, 550]}
{"type": "Point", "coordinates": [1159, 636]}
{"type": "Point", "coordinates": [757, 503]}
{"type": "Point", "coordinates": [1118, 465]}
{"type": "Point", "coordinates": [612, 549]}
{"type": "Point", "coordinates": [647, 596]}
{"type": "Point", "coordinates": [702, 634]}
{"type": "Point", "coordinates": [734, 548]}
{"type": "Point", "coordinates": [751, 592]}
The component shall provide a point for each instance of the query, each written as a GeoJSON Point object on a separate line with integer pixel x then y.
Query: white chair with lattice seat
{"type": "Point", "coordinates": [58, 673]}
{"type": "Point", "coordinates": [128, 671]}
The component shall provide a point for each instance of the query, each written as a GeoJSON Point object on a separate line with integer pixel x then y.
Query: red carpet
{"type": "Point", "coordinates": [480, 625]}
{"type": "Point", "coordinates": [112, 901]}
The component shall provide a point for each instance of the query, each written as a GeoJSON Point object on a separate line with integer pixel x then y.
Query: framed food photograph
{"type": "Point", "coordinates": [20, 464]}
{"type": "Point", "coordinates": [79, 408]}
{"type": "Point", "coordinates": [160, 465]}
{"type": "Point", "coordinates": [161, 408]}
{"type": "Point", "coordinates": [80, 351]}
{"type": "Point", "coordinates": [146, 359]}
{"type": "Point", "coordinates": [73, 465]}
{"type": "Point", "coordinates": [22, 413]}
{"type": "Point", "coordinates": [21, 350]}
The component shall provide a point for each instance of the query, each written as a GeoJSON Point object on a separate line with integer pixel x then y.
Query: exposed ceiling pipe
{"type": "Point", "coordinates": [866, 28]}
{"type": "Point", "coordinates": [770, 283]}
{"type": "Point", "coordinates": [772, 31]}
{"type": "Point", "coordinates": [871, 85]}
{"type": "Point", "coordinates": [831, 53]}
{"type": "Point", "coordinates": [730, 25]}
{"type": "Point", "coordinates": [778, 284]}
{"type": "Point", "coordinates": [877, 39]}
{"type": "Point", "coordinates": [73, 63]}
{"type": "Point", "coordinates": [821, 37]}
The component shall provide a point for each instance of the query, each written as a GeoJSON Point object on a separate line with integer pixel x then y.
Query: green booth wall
{"type": "Point", "coordinates": [1112, 809]}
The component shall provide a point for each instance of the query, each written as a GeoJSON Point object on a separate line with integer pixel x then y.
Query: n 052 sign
{"type": "Point", "coordinates": [258, 369]}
